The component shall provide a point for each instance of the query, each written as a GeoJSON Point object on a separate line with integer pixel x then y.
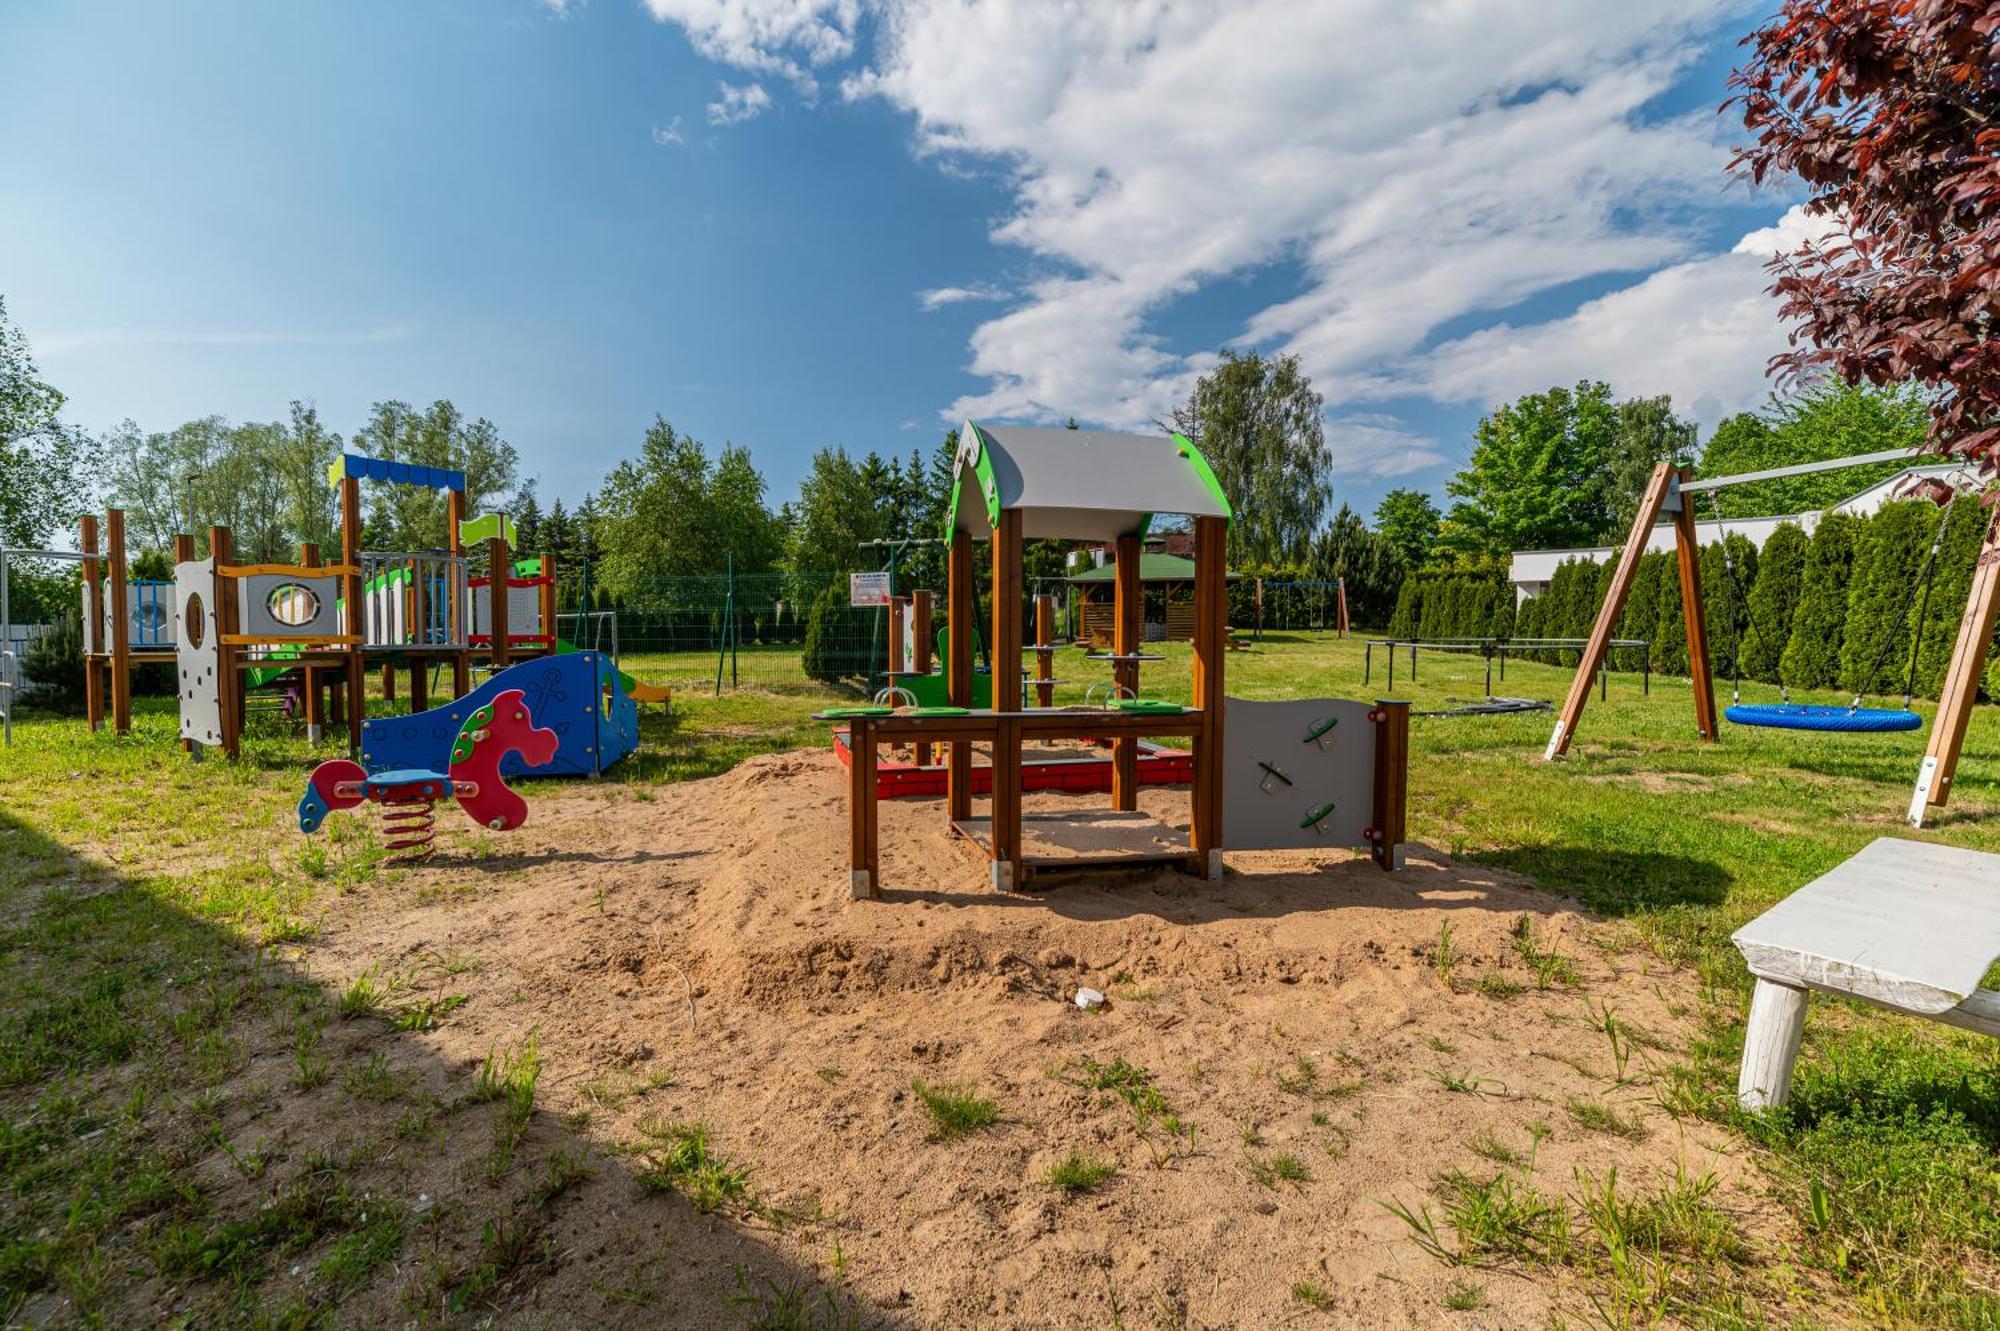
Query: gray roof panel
{"type": "Point", "coordinates": [1084, 485]}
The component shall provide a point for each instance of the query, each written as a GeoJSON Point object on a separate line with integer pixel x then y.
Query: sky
{"type": "Point", "coordinates": [793, 224]}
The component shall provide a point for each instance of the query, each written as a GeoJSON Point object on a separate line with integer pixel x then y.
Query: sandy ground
{"type": "Point", "coordinates": [692, 953]}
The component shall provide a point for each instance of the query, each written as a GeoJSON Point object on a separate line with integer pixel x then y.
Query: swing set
{"type": "Point", "coordinates": [1668, 498]}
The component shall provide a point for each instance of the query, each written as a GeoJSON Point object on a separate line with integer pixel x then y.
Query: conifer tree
{"type": "Point", "coordinates": [1887, 561]}
{"type": "Point", "coordinates": [1812, 654]}
{"type": "Point", "coordinates": [1773, 598]}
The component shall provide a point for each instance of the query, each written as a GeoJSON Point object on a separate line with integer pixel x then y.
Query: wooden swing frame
{"type": "Point", "coordinates": [1665, 499]}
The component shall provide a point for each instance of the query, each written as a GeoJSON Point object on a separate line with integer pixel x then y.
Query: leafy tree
{"type": "Point", "coordinates": [1887, 562]}
{"type": "Point", "coordinates": [1536, 477]}
{"type": "Point", "coordinates": [45, 465]}
{"type": "Point", "coordinates": [839, 509]}
{"type": "Point", "coordinates": [1772, 600]}
{"type": "Point", "coordinates": [1645, 432]}
{"type": "Point", "coordinates": [1826, 420]}
{"type": "Point", "coordinates": [406, 517]}
{"type": "Point", "coordinates": [673, 512]}
{"type": "Point", "coordinates": [1408, 521]}
{"type": "Point", "coordinates": [1257, 421]}
{"type": "Point", "coordinates": [1887, 112]}
{"type": "Point", "coordinates": [1819, 623]}
{"type": "Point", "coordinates": [1365, 561]}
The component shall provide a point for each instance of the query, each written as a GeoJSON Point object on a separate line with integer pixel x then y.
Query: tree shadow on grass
{"type": "Point", "coordinates": [192, 1128]}
{"type": "Point", "coordinates": [1615, 882]}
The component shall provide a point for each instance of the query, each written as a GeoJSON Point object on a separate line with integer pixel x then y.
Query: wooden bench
{"type": "Point", "coordinates": [1907, 924]}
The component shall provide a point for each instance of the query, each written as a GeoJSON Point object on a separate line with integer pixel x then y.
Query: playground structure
{"type": "Point", "coordinates": [239, 627]}
{"type": "Point", "coordinates": [579, 697]}
{"type": "Point", "coordinates": [1320, 773]}
{"type": "Point", "coordinates": [1668, 497]}
{"type": "Point", "coordinates": [1495, 650]}
{"type": "Point", "coordinates": [491, 732]}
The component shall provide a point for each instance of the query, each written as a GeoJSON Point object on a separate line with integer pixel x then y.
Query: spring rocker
{"type": "Point", "coordinates": [408, 797]}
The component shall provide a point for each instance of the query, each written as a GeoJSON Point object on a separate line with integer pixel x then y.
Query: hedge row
{"type": "Point", "coordinates": [1816, 611]}
{"type": "Point", "coordinates": [1436, 605]}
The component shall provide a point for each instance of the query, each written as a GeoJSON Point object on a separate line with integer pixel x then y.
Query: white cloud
{"type": "Point", "coordinates": [939, 297]}
{"type": "Point", "coordinates": [1419, 162]}
{"type": "Point", "coordinates": [1702, 330]}
{"type": "Point", "coordinates": [1377, 447]}
{"type": "Point", "coordinates": [739, 104]}
{"type": "Point", "coordinates": [563, 8]}
{"type": "Point", "coordinates": [671, 136]}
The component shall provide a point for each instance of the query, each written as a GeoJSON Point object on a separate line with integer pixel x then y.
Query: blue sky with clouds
{"type": "Point", "coordinates": [795, 223]}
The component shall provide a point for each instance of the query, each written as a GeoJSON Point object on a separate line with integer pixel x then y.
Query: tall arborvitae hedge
{"type": "Point", "coordinates": [1772, 600]}
{"type": "Point", "coordinates": [1812, 656]}
{"type": "Point", "coordinates": [1726, 582]}
{"type": "Point", "coordinates": [1951, 583]}
{"type": "Point", "coordinates": [1670, 652]}
{"type": "Point", "coordinates": [1887, 561]}
{"type": "Point", "coordinates": [1453, 605]}
{"type": "Point", "coordinates": [1642, 610]}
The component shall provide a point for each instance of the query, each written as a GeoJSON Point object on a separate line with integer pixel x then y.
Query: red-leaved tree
{"type": "Point", "coordinates": [1889, 111]}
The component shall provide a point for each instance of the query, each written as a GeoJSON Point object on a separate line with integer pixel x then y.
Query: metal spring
{"type": "Point", "coordinates": [409, 827]}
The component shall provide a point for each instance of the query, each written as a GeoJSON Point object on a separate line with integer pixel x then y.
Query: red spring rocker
{"type": "Point", "coordinates": [409, 797]}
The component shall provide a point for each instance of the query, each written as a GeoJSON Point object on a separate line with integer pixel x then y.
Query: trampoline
{"type": "Point", "coordinates": [1794, 716]}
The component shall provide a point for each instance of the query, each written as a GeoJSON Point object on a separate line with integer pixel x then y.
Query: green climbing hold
{"type": "Point", "coordinates": [1317, 816]}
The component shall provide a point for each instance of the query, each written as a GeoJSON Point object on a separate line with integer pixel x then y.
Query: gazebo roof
{"type": "Point", "coordinates": [1153, 567]}
{"type": "Point", "coordinates": [1079, 485]}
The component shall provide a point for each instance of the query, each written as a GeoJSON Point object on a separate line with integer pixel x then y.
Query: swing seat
{"type": "Point", "coordinates": [1793, 716]}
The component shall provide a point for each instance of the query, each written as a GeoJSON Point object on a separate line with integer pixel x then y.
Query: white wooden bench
{"type": "Point", "coordinates": [1911, 925]}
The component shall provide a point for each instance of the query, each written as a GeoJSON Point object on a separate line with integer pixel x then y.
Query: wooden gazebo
{"type": "Point", "coordinates": [1016, 484]}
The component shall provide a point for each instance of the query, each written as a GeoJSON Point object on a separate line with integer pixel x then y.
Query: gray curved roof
{"type": "Point", "coordinates": [1080, 485]}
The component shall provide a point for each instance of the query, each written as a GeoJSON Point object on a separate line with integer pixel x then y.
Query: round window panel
{"type": "Point", "coordinates": [194, 620]}
{"type": "Point", "coordinates": [293, 604]}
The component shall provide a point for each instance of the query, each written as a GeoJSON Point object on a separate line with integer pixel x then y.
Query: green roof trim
{"type": "Point", "coordinates": [1185, 447]}
{"type": "Point", "coordinates": [485, 527]}
{"type": "Point", "coordinates": [982, 469]}
{"type": "Point", "coordinates": [1154, 566]}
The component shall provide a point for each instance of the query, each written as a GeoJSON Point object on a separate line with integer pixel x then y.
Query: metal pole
{"type": "Point", "coordinates": [735, 628]}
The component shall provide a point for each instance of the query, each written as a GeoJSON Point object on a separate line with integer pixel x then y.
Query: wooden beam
{"type": "Point", "coordinates": [920, 612]}
{"type": "Point", "coordinates": [1340, 592]}
{"type": "Point", "coordinates": [309, 557]}
{"type": "Point", "coordinates": [121, 624]}
{"type": "Point", "coordinates": [548, 597]}
{"type": "Point", "coordinates": [864, 875]}
{"type": "Point", "coordinates": [1390, 815]}
{"type": "Point", "coordinates": [497, 570]}
{"type": "Point", "coordinates": [461, 666]}
{"type": "Point", "coordinates": [1961, 681]}
{"type": "Point", "coordinates": [959, 614]}
{"type": "Point", "coordinates": [356, 705]}
{"type": "Point", "coordinates": [1687, 555]}
{"type": "Point", "coordinates": [1211, 646]}
{"type": "Point", "coordinates": [184, 554]}
{"type": "Point", "coordinates": [1128, 632]}
{"type": "Point", "coordinates": [228, 684]}
{"type": "Point", "coordinates": [93, 626]}
{"type": "Point", "coordinates": [1006, 640]}
{"type": "Point", "coordinates": [1650, 506]}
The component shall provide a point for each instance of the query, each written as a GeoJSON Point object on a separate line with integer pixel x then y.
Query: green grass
{"type": "Point", "coordinates": [1075, 1174]}
{"type": "Point", "coordinates": [955, 1110]}
{"type": "Point", "coordinates": [142, 908]}
{"type": "Point", "coordinates": [679, 1157]}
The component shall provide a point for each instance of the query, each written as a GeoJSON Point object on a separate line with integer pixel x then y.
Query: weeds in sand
{"type": "Point", "coordinates": [1137, 1088]}
{"type": "Point", "coordinates": [1302, 1078]}
{"type": "Point", "coordinates": [1077, 1174]}
{"type": "Point", "coordinates": [1463, 1084]}
{"type": "Point", "coordinates": [1603, 1017]}
{"type": "Point", "coordinates": [1551, 968]}
{"type": "Point", "coordinates": [795, 1305]}
{"type": "Point", "coordinates": [372, 1080]}
{"type": "Point", "coordinates": [955, 1110]}
{"type": "Point", "coordinates": [1601, 1117]}
{"type": "Point", "coordinates": [508, 1247]}
{"type": "Point", "coordinates": [509, 1079]}
{"type": "Point", "coordinates": [1444, 957]}
{"type": "Point", "coordinates": [310, 1067]}
{"type": "Point", "coordinates": [362, 997]}
{"type": "Point", "coordinates": [566, 1168]}
{"type": "Point", "coordinates": [1281, 1168]}
{"type": "Point", "coordinates": [426, 1014]}
{"type": "Point", "coordinates": [1490, 1147]}
{"type": "Point", "coordinates": [1439, 1045]}
{"type": "Point", "coordinates": [1463, 1296]}
{"type": "Point", "coordinates": [830, 1075]}
{"type": "Point", "coordinates": [1495, 985]}
{"type": "Point", "coordinates": [1316, 1297]}
{"type": "Point", "coordinates": [682, 1160]}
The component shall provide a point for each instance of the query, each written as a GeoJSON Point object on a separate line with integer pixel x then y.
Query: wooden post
{"type": "Point", "coordinates": [959, 615]}
{"type": "Point", "coordinates": [308, 676]}
{"type": "Point", "coordinates": [1390, 814]}
{"type": "Point", "coordinates": [228, 682]}
{"type": "Point", "coordinates": [920, 612]}
{"type": "Point", "coordinates": [1650, 507]}
{"type": "Point", "coordinates": [93, 627]}
{"type": "Point", "coordinates": [1340, 593]}
{"type": "Point", "coordinates": [1045, 657]}
{"type": "Point", "coordinates": [898, 608]}
{"type": "Point", "coordinates": [1128, 631]}
{"type": "Point", "coordinates": [1961, 681]}
{"type": "Point", "coordinates": [121, 624]}
{"type": "Point", "coordinates": [1211, 646]}
{"type": "Point", "coordinates": [864, 875]}
{"type": "Point", "coordinates": [496, 604]}
{"type": "Point", "coordinates": [461, 661]}
{"type": "Point", "coordinates": [1687, 552]}
{"type": "Point", "coordinates": [350, 555]}
{"type": "Point", "coordinates": [389, 681]}
{"type": "Point", "coordinates": [1006, 642]}
{"type": "Point", "coordinates": [1770, 1045]}
{"type": "Point", "coordinates": [548, 597]}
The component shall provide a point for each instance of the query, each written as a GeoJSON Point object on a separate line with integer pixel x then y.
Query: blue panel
{"type": "Point", "coordinates": [401, 473]}
{"type": "Point", "coordinates": [576, 694]}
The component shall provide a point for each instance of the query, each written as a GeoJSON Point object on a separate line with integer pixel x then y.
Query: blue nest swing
{"type": "Point", "coordinates": [1796, 716]}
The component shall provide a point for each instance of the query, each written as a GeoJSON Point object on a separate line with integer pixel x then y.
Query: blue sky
{"type": "Point", "coordinates": [798, 223]}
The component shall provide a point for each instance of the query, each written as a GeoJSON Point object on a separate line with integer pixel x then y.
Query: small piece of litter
{"type": "Point", "coordinates": [1088, 999]}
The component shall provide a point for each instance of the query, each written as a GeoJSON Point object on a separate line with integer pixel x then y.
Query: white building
{"type": "Point", "coordinates": [1531, 570]}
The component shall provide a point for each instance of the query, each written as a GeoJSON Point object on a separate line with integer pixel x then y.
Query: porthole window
{"type": "Point", "coordinates": [196, 620]}
{"type": "Point", "coordinates": [293, 604]}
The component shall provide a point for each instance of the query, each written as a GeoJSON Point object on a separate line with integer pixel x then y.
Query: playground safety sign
{"type": "Point", "coordinates": [868, 588]}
